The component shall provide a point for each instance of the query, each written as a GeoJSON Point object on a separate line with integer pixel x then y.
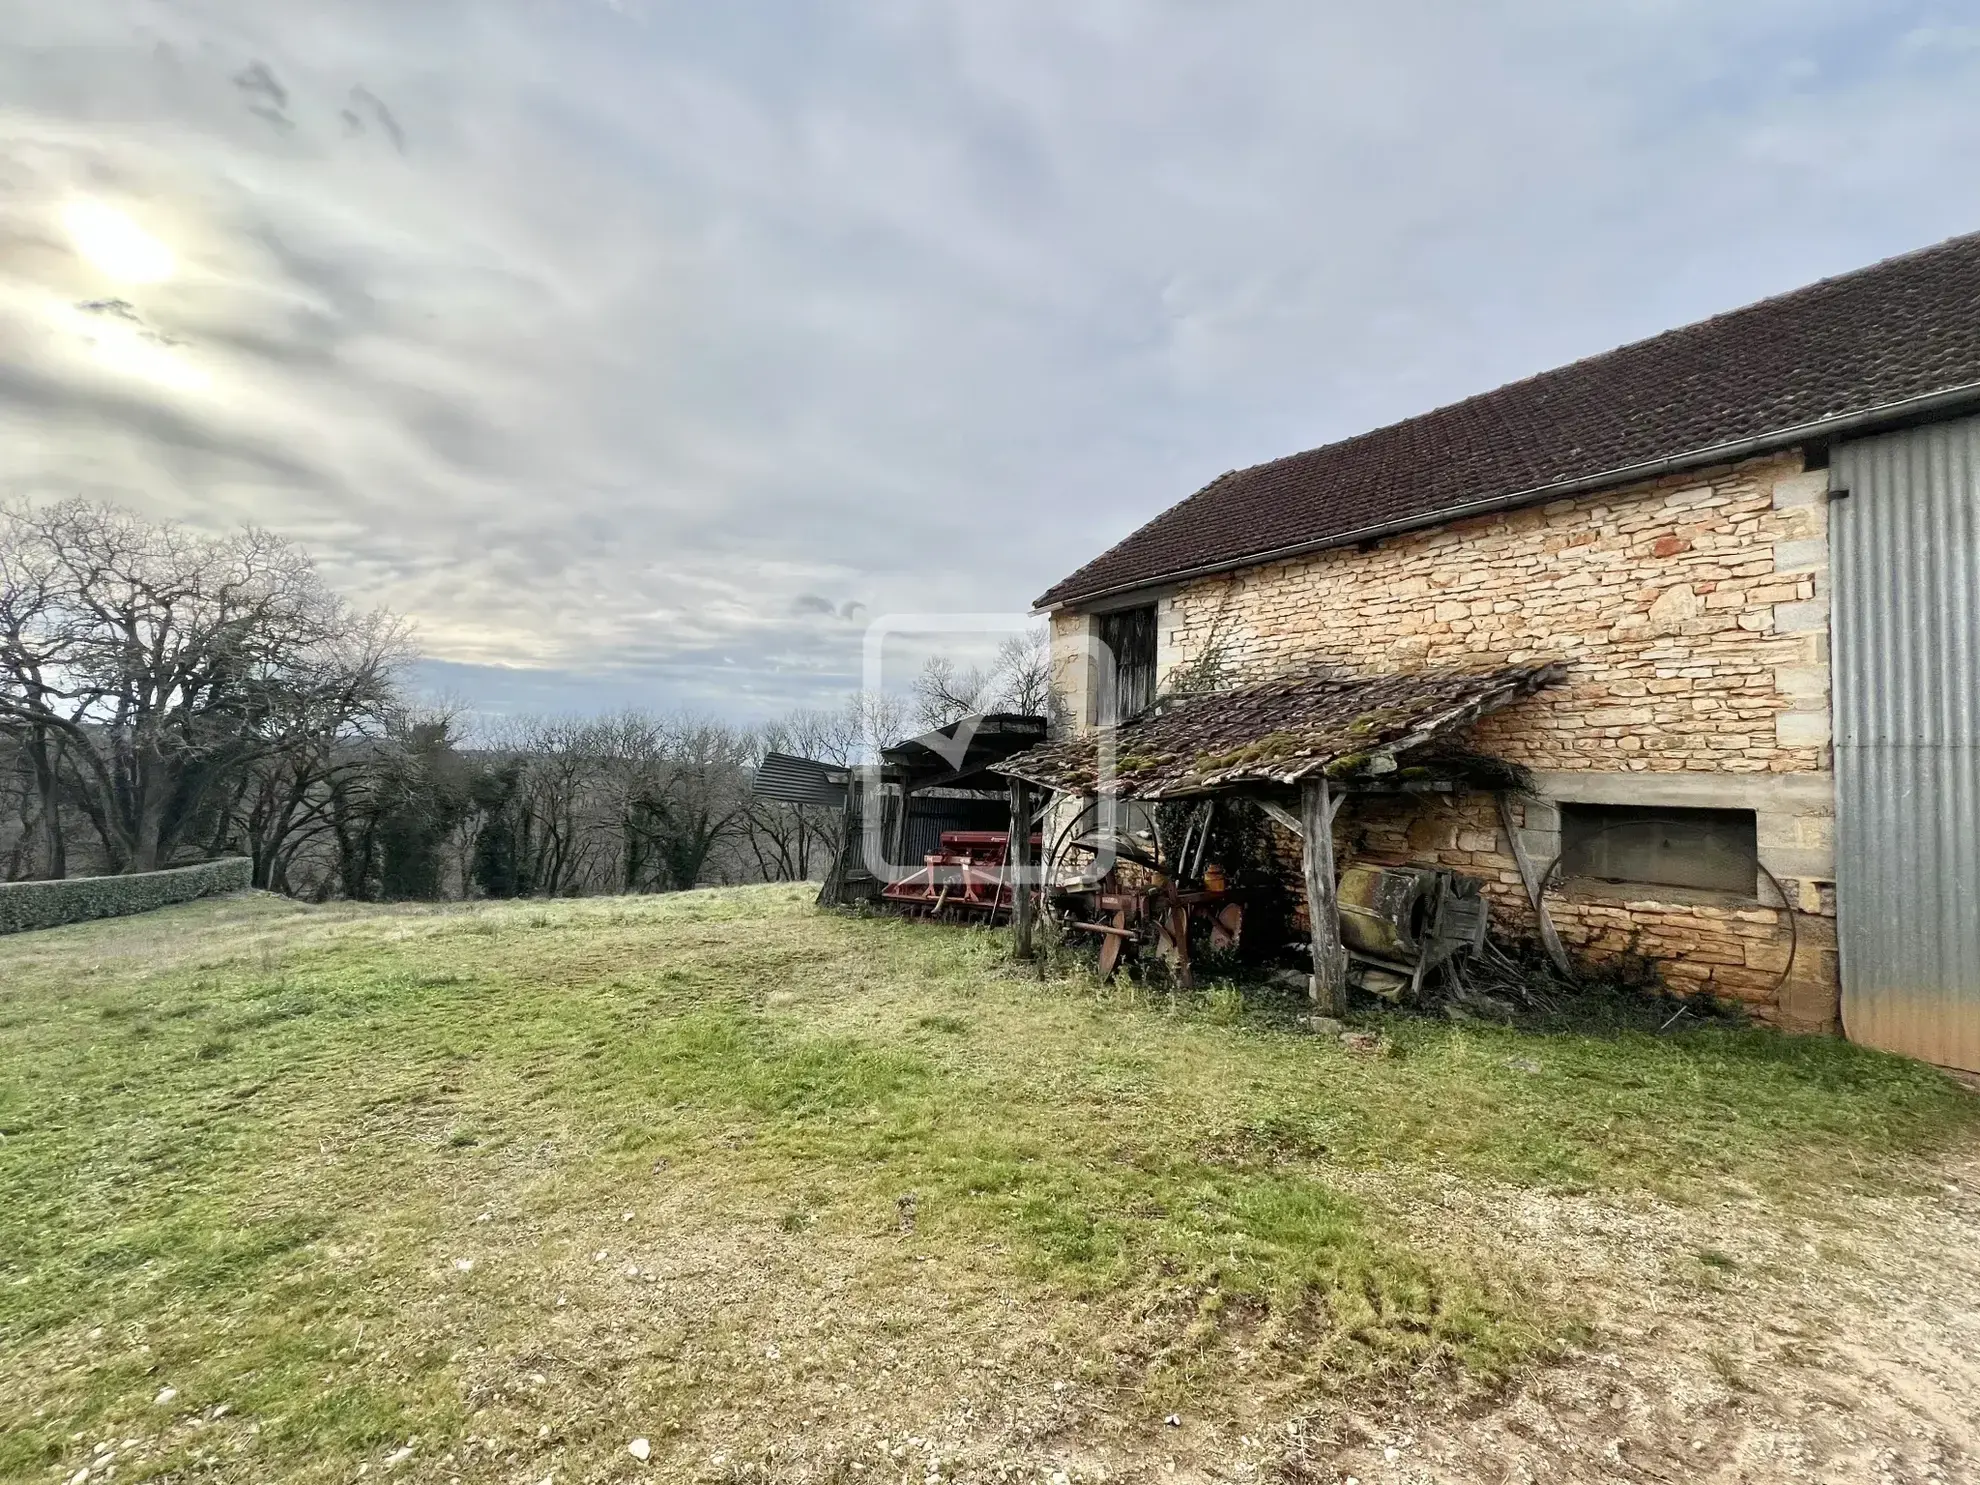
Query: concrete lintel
{"type": "Point", "coordinates": [1153, 594]}
{"type": "Point", "coordinates": [1775, 793]}
{"type": "Point", "coordinates": [1809, 862]}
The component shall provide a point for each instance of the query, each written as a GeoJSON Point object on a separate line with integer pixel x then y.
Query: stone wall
{"type": "Point", "coordinates": [1700, 941]}
{"type": "Point", "coordinates": [1692, 616]}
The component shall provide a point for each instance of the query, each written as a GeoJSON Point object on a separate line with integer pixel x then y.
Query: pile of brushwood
{"type": "Point", "coordinates": [1514, 982]}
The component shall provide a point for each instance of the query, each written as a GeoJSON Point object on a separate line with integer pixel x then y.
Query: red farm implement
{"type": "Point", "coordinates": [968, 878]}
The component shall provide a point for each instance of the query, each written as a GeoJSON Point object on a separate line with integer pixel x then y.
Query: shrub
{"type": "Point", "coordinates": [25, 905]}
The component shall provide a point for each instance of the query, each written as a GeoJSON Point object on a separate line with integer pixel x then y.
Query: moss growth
{"type": "Point", "coordinates": [1382, 719]}
{"type": "Point", "coordinates": [1271, 748]}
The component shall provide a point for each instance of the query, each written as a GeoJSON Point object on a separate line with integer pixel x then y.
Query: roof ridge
{"type": "Point", "coordinates": [1676, 332]}
{"type": "Point", "coordinates": [1771, 367]}
{"type": "Point", "coordinates": [1720, 317]}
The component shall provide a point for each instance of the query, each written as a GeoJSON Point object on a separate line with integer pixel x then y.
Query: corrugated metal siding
{"type": "Point", "coordinates": [933, 814]}
{"type": "Point", "coordinates": [1906, 638]}
{"type": "Point", "coordinates": [791, 780]}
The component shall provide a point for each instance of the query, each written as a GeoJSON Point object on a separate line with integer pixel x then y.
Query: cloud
{"type": "Point", "coordinates": [366, 105]}
{"type": "Point", "coordinates": [608, 341]}
{"type": "Point", "coordinates": [266, 98]}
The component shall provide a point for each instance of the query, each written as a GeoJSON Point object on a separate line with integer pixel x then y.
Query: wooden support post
{"type": "Point", "coordinates": [1018, 854]}
{"type": "Point", "coordinates": [851, 845]}
{"type": "Point", "coordinates": [1179, 942]}
{"type": "Point", "coordinates": [1329, 984]}
{"type": "Point", "coordinates": [1535, 888]}
{"type": "Point", "coordinates": [898, 846]}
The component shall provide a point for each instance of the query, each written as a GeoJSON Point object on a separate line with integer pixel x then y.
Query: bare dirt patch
{"type": "Point", "coordinates": [1737, 1343]}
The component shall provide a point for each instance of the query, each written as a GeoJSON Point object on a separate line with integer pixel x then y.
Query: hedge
{"type": "Point", "coordinates": [25, 905]}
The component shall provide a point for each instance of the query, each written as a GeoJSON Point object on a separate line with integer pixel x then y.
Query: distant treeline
{"type": "Point", "coordinates": [168, 697]}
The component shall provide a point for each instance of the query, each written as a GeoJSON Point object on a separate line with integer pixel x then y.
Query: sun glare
{"type": "Point", "coordinates": [115, 245]}
{"type": "Point", "coordinates": [129, 350]}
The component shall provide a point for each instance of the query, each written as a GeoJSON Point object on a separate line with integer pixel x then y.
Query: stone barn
{"type": "Point", "coordinates": [1749, 548]}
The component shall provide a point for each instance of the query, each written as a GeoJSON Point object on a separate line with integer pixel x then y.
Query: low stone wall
{"type": "Point", "coordinates": [1734, 951]}
{"type": "Point", "coordinates": [27, 905]}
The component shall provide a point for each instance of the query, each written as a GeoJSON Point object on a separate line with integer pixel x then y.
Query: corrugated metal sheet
{"type": "Point", "coordinates": [930, 815]}
{"type": "Point", "coordinates": [1906, 637]}
{"type": "Point", "coordinates": [792, 780]}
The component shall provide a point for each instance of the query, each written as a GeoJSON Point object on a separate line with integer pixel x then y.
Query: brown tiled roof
{"type": "Point", "coordinates": [1887, 335]}
{"type": "Point", "coordinates": [1275, 733]}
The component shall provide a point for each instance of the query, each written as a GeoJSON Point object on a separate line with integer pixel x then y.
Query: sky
{"type": "Point", "coordinates": [644, 354]}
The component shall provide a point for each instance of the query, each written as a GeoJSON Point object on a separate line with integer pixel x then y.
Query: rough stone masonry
{"type": "Point", "coordinates": [1692, 615]}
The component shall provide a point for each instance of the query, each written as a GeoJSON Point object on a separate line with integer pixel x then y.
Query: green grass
{"type": "Point", "coordinates": [240, 1142]}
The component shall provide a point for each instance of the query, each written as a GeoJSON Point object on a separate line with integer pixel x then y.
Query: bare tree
{"type": "Point", "coordinates": [20, 822]}
{"type": "Point", "coordinates": [697, 802]}
{"type": "Point", "coordinates": [786, 840]}
{"type": "Point", "coordinates": [1024, 674]}
{"type": "Point", "coordinates": [179, 695]}
{"type": "Point", "coordinates": [151, 666]}
{"type": "Point", "coordinates": [945, 692]}
{"type": "Point", "coordinates": [34, 650]}
{"type": "Point", "coordinates": [624, 803]}
{"type": "Point", "coordinates": [792, 842]}
{"type": "Point", "coordinates": [325, 749]}
{"type": "Point", "coordinates": [554, 799]}
{"type": "Point", "coordinates": [1018, 679]}
{"type": "Point", "coordinates": [634, 767]}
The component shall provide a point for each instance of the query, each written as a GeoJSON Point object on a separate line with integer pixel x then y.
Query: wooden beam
{"type": "Point", "coordinates": [1323, 910]}
{"type": "Point", "coordinates": [1018, 854]}
{"type": "Point", "coordinates": [1535, 889]}
{"type": "Point", "coordinates": [897, 848]}
{"type": "Point", "coordinates": [1284, 816]}
{"type": "Point", "coordinates": [851, 844]}
{"type": "Point", "coordinates": [1291, 821]}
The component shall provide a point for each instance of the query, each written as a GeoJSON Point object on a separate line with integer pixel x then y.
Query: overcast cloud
{"type": "Point", "coordinates": [642, 352]}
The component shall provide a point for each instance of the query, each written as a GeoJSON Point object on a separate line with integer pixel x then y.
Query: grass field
{"type": "Point", "coordinates": [487, 1192]}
